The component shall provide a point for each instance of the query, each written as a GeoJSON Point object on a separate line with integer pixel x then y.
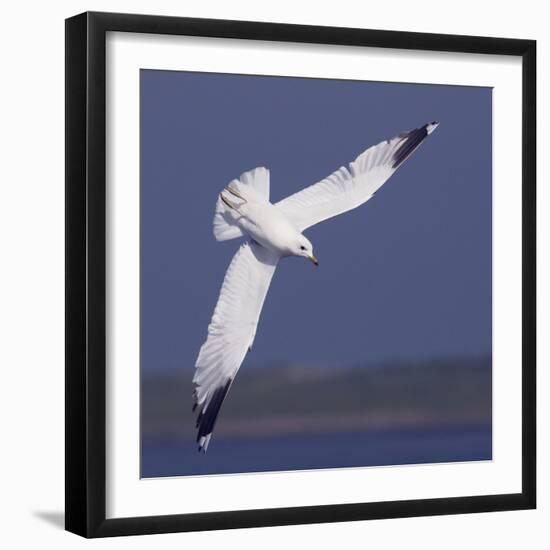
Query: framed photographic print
{"type": "Point", "coordinates": [300, 274]}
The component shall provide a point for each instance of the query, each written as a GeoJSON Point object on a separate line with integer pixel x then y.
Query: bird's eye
{"type": "Point", "coordinates": [302, 247]}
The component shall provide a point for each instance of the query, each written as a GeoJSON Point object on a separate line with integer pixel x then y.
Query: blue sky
{"type": "Point", "coordinates": [405, 276]}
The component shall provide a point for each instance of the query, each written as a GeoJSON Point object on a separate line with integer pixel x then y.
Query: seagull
{"type": "Point", "coordinates": [274, 231]}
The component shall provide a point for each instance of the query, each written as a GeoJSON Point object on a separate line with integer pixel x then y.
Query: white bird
{"type": "Point", "coordinates": [274, 231]}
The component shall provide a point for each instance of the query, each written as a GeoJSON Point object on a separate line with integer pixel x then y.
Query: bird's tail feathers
{"type": "Point", "coordinates": [251, 186]}
{"type": "Point", "coordinates": [225, 225]}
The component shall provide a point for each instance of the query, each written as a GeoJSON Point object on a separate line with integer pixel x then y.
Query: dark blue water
{"type": "Point", "coordinates": [178, 458]}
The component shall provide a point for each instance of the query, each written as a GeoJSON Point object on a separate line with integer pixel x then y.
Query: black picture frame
{"type": "Point", "coordinates": [86, 283]}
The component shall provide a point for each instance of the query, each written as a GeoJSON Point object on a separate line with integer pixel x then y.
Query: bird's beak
{"type": "Point", "coordinates": [314, 260]}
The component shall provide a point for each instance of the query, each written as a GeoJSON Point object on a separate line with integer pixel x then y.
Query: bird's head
{"type": "Point", "coordinates": [302, 247]}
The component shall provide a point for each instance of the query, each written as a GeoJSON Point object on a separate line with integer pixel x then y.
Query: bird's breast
{"type": "Point", "coordinates": [269, 227]}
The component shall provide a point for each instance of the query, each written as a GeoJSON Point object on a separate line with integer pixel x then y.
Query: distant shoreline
{"type": "Point", "coordinates": [292, 399]}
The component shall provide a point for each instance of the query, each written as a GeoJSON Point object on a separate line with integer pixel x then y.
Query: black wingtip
{"type": "Point", "coordinates": [410, 141]}
{"type": "Point", "coordinates": [208, 414]}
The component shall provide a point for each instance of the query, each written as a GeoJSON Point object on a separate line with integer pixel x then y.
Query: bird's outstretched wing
{"type": "Point", "coordinates": [231, 332]}
{"type": "Point", "coordinates": [348, 188]}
